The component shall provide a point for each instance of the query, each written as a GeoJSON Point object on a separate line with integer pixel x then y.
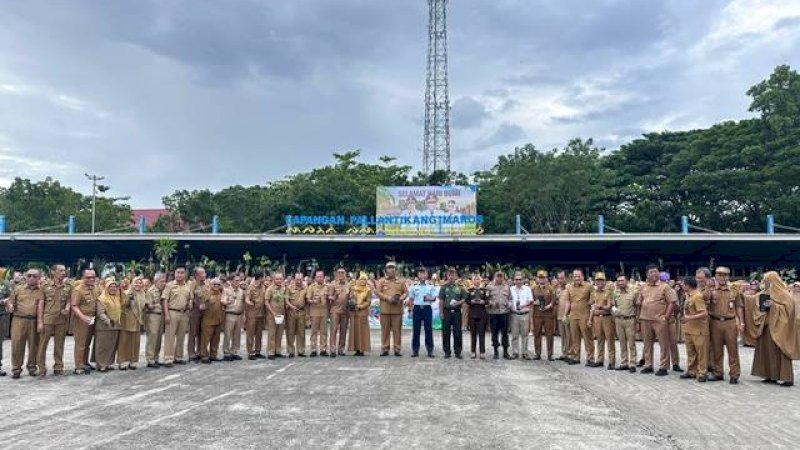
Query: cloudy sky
{"type": "Point", "coordinates": [159, 95]}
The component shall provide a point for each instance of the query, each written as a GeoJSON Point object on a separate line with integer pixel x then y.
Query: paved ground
{"type": "Point", "coordinates": [375, 402]}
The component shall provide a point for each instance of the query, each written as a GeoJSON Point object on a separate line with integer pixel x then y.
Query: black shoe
{"type": "Point", "coordinates": [152, 365]}
{"type": "Point", "coordinates": [640, 363]}
{"type": "Point", "coordinates": [610, 367]}
{"type": "Point", "coordinates": [646, 370]}
{"type": "Point", "coordinates": [333, 355]}
{"type": "Point", "coordinates": [676, 368]}
{"type": "Point", "coordinates": [167, 365]}
{"type": "Point", "coordinates": [313, 354]}
{"type": "Point", "coordinates": [561, 358]}
{"type": "Point", "coordinates": [341, 353]}
{"type": "Point", "coordinates": [414, 355]}
{"type": "Point", "coordinates": [447, 356]}
{"type": "Point", "coordinates": [182, 362]}
{"type": "Point", "coordinates": [430, 355]}
{"type": "Point", "coordinates": [769, 381]}
{"type": "Point", "coordinates": [385, 353]}
{"type": "Point", "coordinates": [623, 367]}
{"type": "Point", "coordinates": [496, 355]}
{"type": "Point", "coordinates": [205, 361]}
{"type": "Point", "coordinates": [227, 358]}
{"type": "Point", "coordinates": [291, 355]}
{"type": "Point", "coordinates": [786, 384]}
{"type": "Point", "coordinates": [252, 357]}
{"type": "Point", "coordinates": [701, 379]}
{"type": "Point", "coordinates": [458, 356]}
{"type": "Point", "coordinates": [632, 369]}
{"type": "Point", "coordinates": [397, 353]}
{"type": "Point", "coordinates": [323, 353]}
{"type": "Point", "coordinates": [260, 356]}
{"type": "Point", "coordinates": [573, 362]}
{"type": "Point", "coordinates": [2, 373]}
{"type": "Point", "coordinates": [271, 357]}
{"type": "Point", "coordinates": [734, 380]}
{"type": "Point", "coordinates": [686, 376]}
{"type": "Point", "coordinates": [662, 373]}
{"type": "Point", "coordinates": [537, 357]}
{"type": "Point", "coordinates": [715, 378]}
{"type": "Point", "coordinates": [237, 358]}
{"type": "Point", "coordinates": [549, 358]}
{"type": "Point", "coordinates": [506, 355]}
{"type": "Point", "coordinates": [15, 375]}
{"type": "Point", "coordinates": [194, 359]}
{"type": "Point", "coordinates": [301, 355]}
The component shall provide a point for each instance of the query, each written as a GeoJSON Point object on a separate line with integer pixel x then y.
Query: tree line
{"type": "Point", "coordinates": [727, 178]}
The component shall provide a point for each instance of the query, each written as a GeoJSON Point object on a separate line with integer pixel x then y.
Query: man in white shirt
{"type": "Point", "coordinates": [521, 302]}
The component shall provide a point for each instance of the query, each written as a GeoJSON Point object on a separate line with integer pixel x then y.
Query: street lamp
{"type": "Point", "coordinates": [94, 179]}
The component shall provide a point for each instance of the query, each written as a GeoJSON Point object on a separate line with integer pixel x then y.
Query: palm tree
{"type": "Point", "coordinates": [165, 250]}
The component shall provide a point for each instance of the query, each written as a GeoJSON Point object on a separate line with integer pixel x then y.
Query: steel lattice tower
{"type": "Point", "coordinates": [436, 154]}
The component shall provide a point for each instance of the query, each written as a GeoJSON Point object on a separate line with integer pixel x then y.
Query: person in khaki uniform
{"type": "Point", "coordinates": [544, 317]}
{"type": "Point", "coordinates": [577, 297]}
{"type": "Point", "coordinates": [392, 292]}
{"type": "Point", "coordinates": [656, 301]}
{"type": "Point", "coordinates": [705, 281]}
{"type": "Point", "coordinates": [602, 323]}
{"type": "Point", "coordinates": [624, 312]}
{"type": "Point", "coordinates": [295, 321]}
{"type": "Point", "coordinates": [317, 299]}
{"type": "Point", "coordinates": [84, 309]}
{"type": "Point", "coordinates": [130, 323]}
{"type": "Point", "coordinates": [199, 292]}
{"type": "Point", "coordinates": [176, 302]}
{"type": "Point", "coordinates": [564, 333]}
{"type": "Point", "coordinates": [276, 298]}
{"type": "Point", "coordinates": [254, 315]}
{"type": "Point", "coordinates": [233, 300]}
{"type": "Point", "coordinates": [726, 309]}
{"type": "Point", "coordinates": [695, 328]}
{"type": "Point", "coordinates": [23, 304]}
{"type": "Point", "coordinates": [52, 313]}
{"type": "Point", "coordinates": [211, 323]}
{"type": "Point", "coordinates": [339, 296]}
{"type": "Point", "coordinates": [154, 320]}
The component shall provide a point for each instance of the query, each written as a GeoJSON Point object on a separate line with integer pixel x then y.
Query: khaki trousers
{"type": "Point", "coordinates": [724, 336]}
{"type": "Point", "coordinates": [543, 326]}
{"type": "Point", "coordinates": [673, 328]}
{"type": "Point", "coordinates": [193, 336]}
{"type": "Point", "coordinates": [626, 333]}
{"type": "Point", "coordinates": [59, 334]}
{"type": "Point", "coordinates": [566, 335]}
{"type": "Point", "coordinates": [603, 328]}
{"type": "Point", "coordinates": [23, 333]}
{"type": "Point", "coordinates": [295, 332]}
{"type": "Point", "coordinates": [319, 334]}
{"type": "Point", "coordinates": [154, 331]}
{"type": "Point", "coordinates": [652, 331]}
{"type": "Point", "coordinates": [520, 328]}
{"type": "Point", "coordinates": [174, 336]}
{"type": "Point", "coordinates": [83, 338]}
{"type": "Point", "coordinates": [391, 323]}
{"type": "Point", "coordinates": [696, 354]}
{"type": "Point", "coordinates": [233, 335]}
{"type": "Point", "coordinates": [254, 334]}
{"type": "Point", "coordinates": [581, 332]}
{"type": "Point", "coordinates": [274, 336]}
{"type": "Point", "coordinates": [339, 323]}
{"type": "Point", "coordinates": [209, 342]}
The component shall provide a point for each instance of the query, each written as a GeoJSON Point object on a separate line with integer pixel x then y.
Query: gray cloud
{"type": "Point", "coordinates": [468, 113]}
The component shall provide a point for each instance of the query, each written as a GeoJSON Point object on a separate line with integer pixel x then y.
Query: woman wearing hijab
{"type": "Point", "coordinates": [772, 324]}
{"type": "Point", "coordinates": [106, 332]}
{"type": "Point", "coordinates": [130, 323]}
{"type": "Point", "coordinates": [361, 294]}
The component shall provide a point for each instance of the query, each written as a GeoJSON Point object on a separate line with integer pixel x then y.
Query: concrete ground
{"type": "Point", "coordinates": [390, 402]}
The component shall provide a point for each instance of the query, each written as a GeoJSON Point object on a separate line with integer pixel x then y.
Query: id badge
{"type": "Point", "coordinates": [730, 304]}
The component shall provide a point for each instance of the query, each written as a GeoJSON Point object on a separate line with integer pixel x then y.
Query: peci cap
{"type": "Point", "coordinates": [541, 274]}
{"type": "Point", "coordinates": [723, 270]}
{"type": "Point", "coordinates": [391, 264]}
{"type": "Point", "coordinates": [600, 276]}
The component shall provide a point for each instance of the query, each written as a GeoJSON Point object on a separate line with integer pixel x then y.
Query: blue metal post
{"type": "Point", "coordinates": [142, 224]}
{"type": "Point", "coordinates": [2, 224]}
{"type": "Point", "coordinates": [770, 224]}
{"type": "Point", "coordinates": [601, 224]}
{"type": "Point", "coordinates": [215, 224]}
{"type": "Point", "coordinates": [71, 225]}
{"type": "Point", "coordinates": [288, 220]}
{"type": "Point", "coordinates": [684, 225]}
{"type": "Point", "coordinates": [518, 224]}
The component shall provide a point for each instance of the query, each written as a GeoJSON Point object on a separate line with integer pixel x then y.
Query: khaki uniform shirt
{"type": "Point", "coordinates": [625, 301]}
{"type": "Point", "coordinates": [499, 298]}
{"type": "Point", "coordinates": [55, 300]}
{"type": "Point", "coordinates": [297, 297]}
{"type": "Point", "coordinates": [655, 299]}
{"type": "Point", "coordinates": [341, 294]}
{"type": "Point", "coordinates": [724, 301]}
{"type": "Point", "coordinates": [25, 300]}
{"type": "Point", "coordinates": [602, 301]}
{"type": "Point", "coordinates": [235, 298]}
{"type": "Point", "coordinates": [545, 297]}
{"type": "Point", "coordinates": [153, 302]}
{"type": "Point", "coordinates": [199, 293]}
{"type": "Point", "coordinates": [215, 313]}
{"type": "Point", "coordinates": [177, 296]}
{"type": "Point", "coordinates": [387, 289]}
{"type": "Point", "coordinates": [129, 314]}
{"type": "Point", "coordinates": [561, 297]}
{"type": "Point", "coordinates": [578, 295]}
{"type": "Point", "coordinates": [317, 299]}
{"type": "Point", "coordinates": [277, 297]}
{"type": "Point", "coordinates": [256, 294]}
{"type": "Point", "coordinates": [85, 299]}
{"type": "Point", "coordinates": [695, 304]}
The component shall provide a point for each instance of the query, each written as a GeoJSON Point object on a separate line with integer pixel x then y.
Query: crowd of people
{"type": "Point", "coordinates": [188, 318]}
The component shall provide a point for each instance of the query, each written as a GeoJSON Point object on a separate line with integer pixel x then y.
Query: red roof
{"type": "Point", "coordinates": [150, 215]}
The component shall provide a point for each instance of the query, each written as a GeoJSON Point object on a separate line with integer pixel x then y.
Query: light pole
{"type": "Point", "coordinates": [94, 179]}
